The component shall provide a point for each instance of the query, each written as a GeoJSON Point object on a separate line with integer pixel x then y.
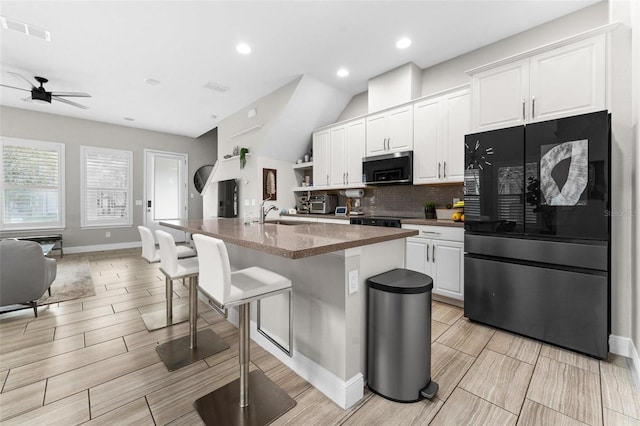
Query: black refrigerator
{"type": "Point", "coordinates": [537, 231]}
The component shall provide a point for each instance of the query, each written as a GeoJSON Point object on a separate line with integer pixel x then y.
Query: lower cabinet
{"type": "Point", "coordinates": [438, 252]}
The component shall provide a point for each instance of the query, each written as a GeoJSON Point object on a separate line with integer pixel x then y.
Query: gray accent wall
{"type": "Point", "coordinates": [74, 132]}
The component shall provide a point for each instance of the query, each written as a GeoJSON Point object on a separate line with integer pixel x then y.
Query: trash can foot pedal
{"type": "Point", "coordinates": [430, 391]}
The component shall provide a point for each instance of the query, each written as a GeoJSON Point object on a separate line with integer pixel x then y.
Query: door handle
{"type": "Point", "coordinates": [433, 254]}
{"type": "Point", "coordinates": [533, 107]}
{"type": "Point", "coordinates": [327, 179]}
{"type": "Point", "coordinates": [347, 179]}
{"type": "Point", "coordinates": [438, 170]}
{"type": "Point", "coordinates": [148, 205]}
{"type": "Point", "coordinates": [427, 252]}
{"type": "Point", "coordinates": [523, 103]}
{"type": "Point", "coordinates": [444, 170]}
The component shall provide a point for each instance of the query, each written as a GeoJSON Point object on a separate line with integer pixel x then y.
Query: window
{"type": "Point", "coordinates": [32, 186]}
{"type": "Point", "coordinates": [106, 187]}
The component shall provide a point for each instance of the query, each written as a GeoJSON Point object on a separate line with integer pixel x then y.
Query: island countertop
{"type": "Point", "coordinates": [293, 240]}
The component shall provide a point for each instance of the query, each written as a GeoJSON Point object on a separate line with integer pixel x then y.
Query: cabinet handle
{"type": "Point", "coordinates": [327, 179]}
{"type": "Point", "coordinates": [431, 232]}
{"type": "Point", "coordinates": [433, 254]}
{"type": "Point", "coordinates": [427, 252]}
{"type": "Point", "coordinates": [523, 104]}
{"type": "Point", "coordinates": [533, 107]}
{"type": "Point", "coordinates": [347, 180]}
{"type": "Point", "coordinates": [438, 170]}
{"type": "Point", "coordinates": [444, 170]}
{"type": "Point", "coordinates": [388, 144]}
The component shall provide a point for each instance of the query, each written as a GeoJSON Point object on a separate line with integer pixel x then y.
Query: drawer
{"type": "Point", "coordinates": [438, 232]}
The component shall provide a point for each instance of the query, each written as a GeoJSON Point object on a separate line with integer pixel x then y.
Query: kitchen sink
{"type": "Point", "coordinates": [286, 222]}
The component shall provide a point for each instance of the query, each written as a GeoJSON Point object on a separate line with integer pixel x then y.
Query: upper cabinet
{"type": "Point", "coordinates": [564, 81]}
{"type": "Point", "coordinates": [337, 155]}
{"type": "Point", "coordinates": [439, 126]}
{"type": "Point", "coordinates": [390, 131]}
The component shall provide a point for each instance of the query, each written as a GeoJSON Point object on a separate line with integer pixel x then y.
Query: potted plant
{"type": "Point", "coordinates": [429, 210]}
{"type": "Point", "coordinates": [243, 157]}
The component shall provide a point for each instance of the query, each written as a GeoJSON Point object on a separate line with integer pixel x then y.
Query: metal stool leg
{"type": "Point", "coordinates": [169, 296]}
{"type": "Point", "coordinates": [244, 356]}
{"type": "Point", "coordinates": [193, 312]}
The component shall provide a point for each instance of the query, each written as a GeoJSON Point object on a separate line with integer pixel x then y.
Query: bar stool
{"type": "Point", "coordinates": [197, 345]}
{"type": "Point", "coordinates": [232, 404]}
{"type": "Point", "coordinates": [158, 319]}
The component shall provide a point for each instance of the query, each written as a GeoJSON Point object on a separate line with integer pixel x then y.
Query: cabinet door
{"type": "Point", "coordinates": [376, 134]}
{"type": "Point", "coordinates": [354, 151]}
{"type": "Point", "coordinates": [321, 150]}
{"type": "Point", "coordinates": [456, 122]}
{"type": "Point", "coordinates": [500, 96]}
{"type": "Point", "coordinates": [337, 174]}
{"type": "Point", "coordinates": [569, 80]}
{"type": "Point", "coordinates": [400, 129]}
{"type": "Point", "coordinates": [448, 261]}
{"type": "Point", "coordinates": [416, 255]}
{"type": "Point", "coordinates": [426, 141]}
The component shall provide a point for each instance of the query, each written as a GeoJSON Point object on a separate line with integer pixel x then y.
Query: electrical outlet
{"type": "Point", "coordinates": [108, 234]}
{"type": "Point", "coordinates": [353, 281]}
{"type": "Point", "coordinates": [246, 202]}
{"type": "Point", "coordinates": [455, 200]}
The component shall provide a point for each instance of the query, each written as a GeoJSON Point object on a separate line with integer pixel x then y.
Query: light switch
{"type": "Point", "coordinates": [353, 281]}
{"type": "Point", "coordinates": [138, 202]}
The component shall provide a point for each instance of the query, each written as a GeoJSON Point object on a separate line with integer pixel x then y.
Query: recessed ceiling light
{"type": "Point", "coordinates": [151, 81]}
{"type": "Point", "coordinates": [243, 48]}
{"type": "Point", "coordinates": [128, 119]}
{"type": "Point", "coordinates": [213, 116]}
{"type": "Point", "coordinates": [403, 43]}
{"type": "Point", "coordinates": [343, 72]}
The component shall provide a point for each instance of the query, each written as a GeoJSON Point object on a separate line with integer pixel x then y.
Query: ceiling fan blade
{"type": "Point", "coordinates": [15, 74]}
{"type": "Point", "coordinates": [71, 94]}
{"type": "Point", "coordinates": [66, 101]}
{"type": "Point", "coordinates": [14, 87]}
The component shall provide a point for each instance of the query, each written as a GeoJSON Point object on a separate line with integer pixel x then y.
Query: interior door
{"type": "Point", "coordinates": [165, 190]}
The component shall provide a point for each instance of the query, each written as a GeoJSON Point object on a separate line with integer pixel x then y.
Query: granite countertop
{"type": "Point", "coordinates": [294, 240]}
{"type": "Point", "coordinates": [411, 221]}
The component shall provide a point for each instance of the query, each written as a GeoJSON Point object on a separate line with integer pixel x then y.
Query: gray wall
{"type": "Point", "coordinates": [74, 132]}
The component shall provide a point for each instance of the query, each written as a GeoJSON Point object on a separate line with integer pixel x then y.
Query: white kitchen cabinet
{"type": "Point", "coordinates": [440, 124]}
{"type": "Point", "coordinates": [321, 158]}
{"type": "Point", "coordinates": [390, 131]}
{"type": "Point", "coordinates": [347, 150]}
{"type": "Point", "coordinates": [438, 252]}
{"type": "Point", "coordinates": [561, 82]}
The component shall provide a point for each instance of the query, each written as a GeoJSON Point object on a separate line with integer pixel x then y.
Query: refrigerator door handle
{"type": "Point", "coordinates": [533, 107]}
{"type": "Point", "coordinates": [523, 106]}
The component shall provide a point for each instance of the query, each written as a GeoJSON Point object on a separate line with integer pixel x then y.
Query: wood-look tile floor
{"type": "Point", "coordinates": [92, 361]}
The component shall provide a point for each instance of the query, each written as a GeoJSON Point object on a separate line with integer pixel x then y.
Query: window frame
{"type": "Point", "coordinates": [61, 190]}
{"type": "Point", "coordinates": [85, 223]}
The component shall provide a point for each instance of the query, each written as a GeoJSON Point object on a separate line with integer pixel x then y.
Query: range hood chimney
{"type": "Point", "coordinates": [395, 87]}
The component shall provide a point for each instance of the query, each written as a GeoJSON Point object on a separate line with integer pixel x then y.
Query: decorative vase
{"type": "Point", "coordinates": [429, 213]}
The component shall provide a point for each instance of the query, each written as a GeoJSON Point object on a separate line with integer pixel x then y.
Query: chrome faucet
{"type": "Point", "coordinates": [263, 212]}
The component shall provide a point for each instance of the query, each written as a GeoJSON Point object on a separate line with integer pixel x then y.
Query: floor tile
{"type": "Point", "coordinates": [113, 331]}
{"type": "Point", "coordinates": [464, 408]}
{"type": "Point", "coordinates": [72, 410]}
{"type": "Point", "coordinates": [68, 318]}
{"type": "Point", "coordinates": [24, 399]}
{"type": "Point", "coordinates": [135, 413]}
{"type": "Point", "coordinates": [377, 408]}
{"type": "Point", "coordinates": [534, 414]}
{"type": "Point", "coordinates": [39, 352]}
{"type": "Point", "coordinates": [571, 358]}
{"type": "Point", "coordinates": [467, 337]}
{"type": "Point", "coordinates": [499, 379]}
{"type": "Point", "coordinates": [568, 389]}
{"type": "Point", "coordinates": [26, 341]}
{"type": "Point", "coordinates": [444, 313]}
{"type": "Point", "coordinates": [613, 418]}
{"type": "Point", "coordinates": [437, 328]}
{"type": "Point", "coordinates": [517, 347]}
{"type": "Point", "coordinates": [287, 380]}
{"type": "Point", "coordinates": [448, 366]}
{"type": "Point", "coordinates": [619, 392]}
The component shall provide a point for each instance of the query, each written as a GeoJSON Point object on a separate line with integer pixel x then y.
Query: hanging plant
{"type": "Point", "coordinates": [243, 157]}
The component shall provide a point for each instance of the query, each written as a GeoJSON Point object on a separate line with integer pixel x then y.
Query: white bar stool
{"type": "Point", "coordinates": [232, 404]}
{"type": "Point", "coordinates": [185, 350]}
{"type": "Point", "coordinates": [160, 319]}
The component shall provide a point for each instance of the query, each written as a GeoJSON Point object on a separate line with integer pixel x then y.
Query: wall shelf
{"type": "Point", "coordinates": [306, 165]}
{"type": "Point", "coordinates": [242, 132]}
{"type": "Point", "coordinates": [236, 157]}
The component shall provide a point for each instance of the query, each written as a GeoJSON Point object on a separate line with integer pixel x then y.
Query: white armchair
{"type": "Point", "coordinates": [25, 273]}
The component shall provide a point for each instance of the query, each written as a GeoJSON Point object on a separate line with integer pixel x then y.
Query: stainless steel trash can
{"type": "Point", "coordinates": [399, 335]}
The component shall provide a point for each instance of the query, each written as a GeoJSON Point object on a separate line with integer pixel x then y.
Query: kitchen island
{"type": "Point", "coordinates": [328, 265]}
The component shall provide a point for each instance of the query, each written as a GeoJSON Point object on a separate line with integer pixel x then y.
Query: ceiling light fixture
{"type": "Point", "coordinates": [343, 72]}
{"type": "Point", "coordinates": [151, 81]}
{"type": "Point", "coordinates": [243, 48]}
{"type": "Point", "coordinates": [128, 119]}
{"type": "Point", "coordinates": [403, 43]}
{"type": "Point", "coordinates": [213, 116]}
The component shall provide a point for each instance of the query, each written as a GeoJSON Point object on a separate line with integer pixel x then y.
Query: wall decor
{"type": "Point", "coordinates": [269, 184]}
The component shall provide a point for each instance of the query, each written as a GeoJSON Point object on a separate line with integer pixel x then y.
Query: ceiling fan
{"type": "Point", "coordinates": [39, 94]}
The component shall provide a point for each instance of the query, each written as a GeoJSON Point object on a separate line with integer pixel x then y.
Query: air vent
{"type": "Point", "coordinates": [216, 87]}
{"type": "Point", "coordinates": [26, 29]}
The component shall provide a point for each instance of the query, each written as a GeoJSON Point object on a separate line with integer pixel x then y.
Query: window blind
{"type": "Point", "coordinates": [32, 184]}
{"type": "Point", "coordinates": [106, 187]}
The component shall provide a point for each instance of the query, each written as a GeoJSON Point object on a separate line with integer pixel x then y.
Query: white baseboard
{"type": "Point", "coordinates": [102, 247]}
{"type": "Point", "coordinates": [344, 393]}
{"type": "Point", "coordinates": [624, 346]}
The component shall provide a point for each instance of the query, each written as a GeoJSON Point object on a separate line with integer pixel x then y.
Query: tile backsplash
{"type": "Point", "coordinates": [404, 200]}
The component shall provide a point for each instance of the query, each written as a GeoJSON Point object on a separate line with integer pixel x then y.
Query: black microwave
{"type": "Point", "coordinates": [394, 168]}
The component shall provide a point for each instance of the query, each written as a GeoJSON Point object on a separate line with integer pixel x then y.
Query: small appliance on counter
{"type": "Point", "coordinates": [354, 197]}
{"type": "Point", "coordinates": [323, 204]}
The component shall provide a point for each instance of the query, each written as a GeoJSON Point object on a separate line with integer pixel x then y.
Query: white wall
{"type": "Point", "coordinates": [74, 132]}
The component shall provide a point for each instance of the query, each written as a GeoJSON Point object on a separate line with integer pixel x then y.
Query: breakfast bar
{"type": "Point", "coordinates": [328, 265]}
